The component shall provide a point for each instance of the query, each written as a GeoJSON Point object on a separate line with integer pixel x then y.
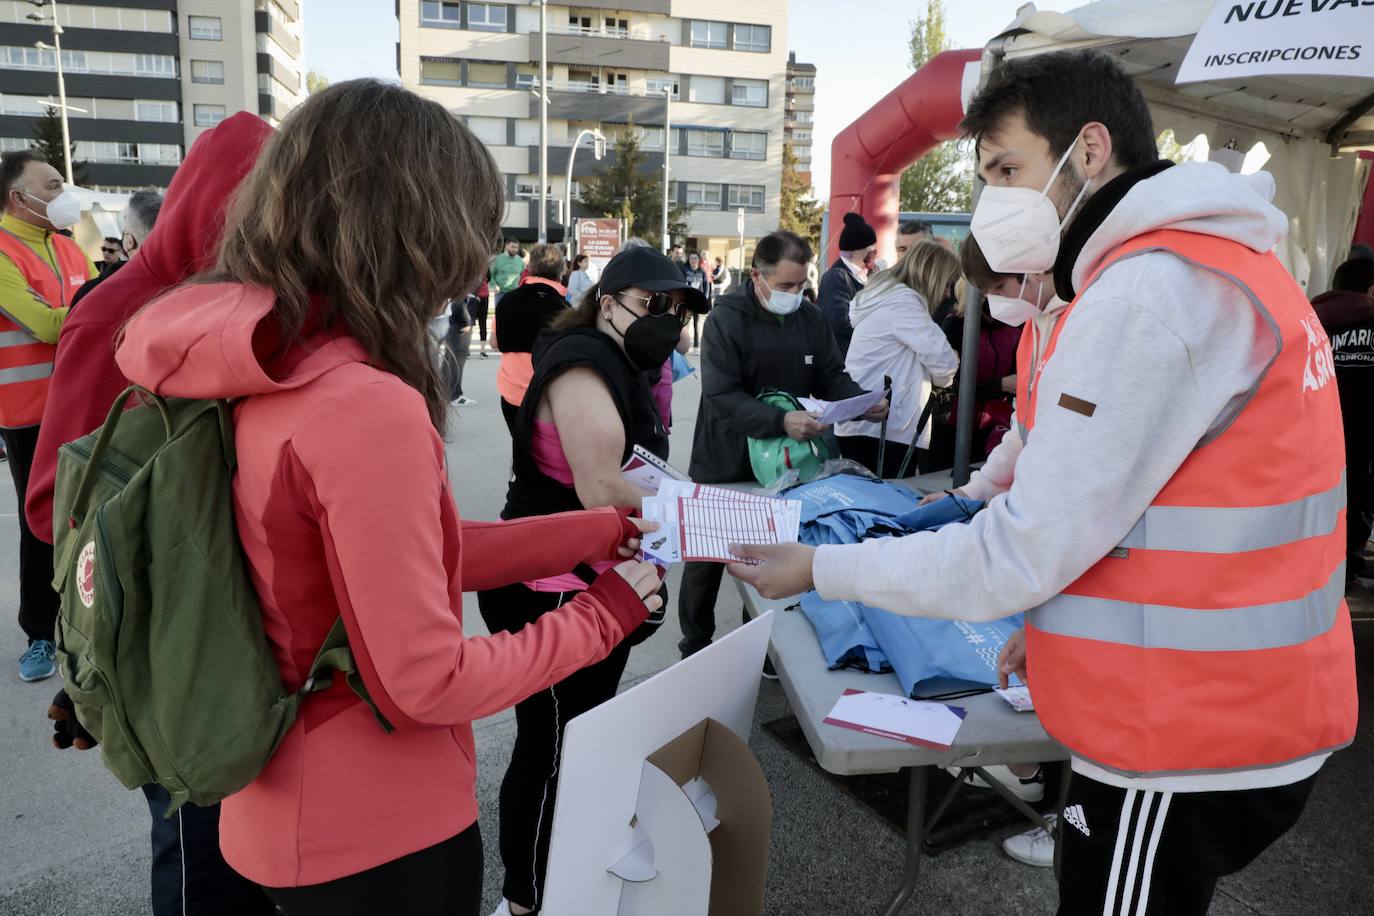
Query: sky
{"type": "Point", "coordinates": [859, 55]}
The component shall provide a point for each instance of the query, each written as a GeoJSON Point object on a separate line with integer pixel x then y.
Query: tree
{"type": "Point", "coordinates": [625, 190]}
{"type": "Point", "coordinates": [799, 212]}
{"type": "Point", "coordinates": [47, 142]}
{"type": "Point", "coordinates": [315, 81]}
{"type": "Point", "coordinates": [941, 181]}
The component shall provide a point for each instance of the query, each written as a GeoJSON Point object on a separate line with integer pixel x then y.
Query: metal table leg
{"type": "Point", "coordinates": [915, 839]}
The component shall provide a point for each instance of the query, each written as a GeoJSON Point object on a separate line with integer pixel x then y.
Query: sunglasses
{"type": "Point", "coordinates": [110, 250]}
{"type": "Point", "coordinates": [660, 304]}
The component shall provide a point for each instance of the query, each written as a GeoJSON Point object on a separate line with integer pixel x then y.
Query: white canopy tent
{"type": "Point", "coordinates": [1312, 126]}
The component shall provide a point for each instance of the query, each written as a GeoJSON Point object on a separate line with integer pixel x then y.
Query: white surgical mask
{"type": "Point", "coordinates": [1018, 229]}
{"type": "Point", "coordinates": [63, 211]}
{"type": "Point", "coordinates": [780, 303]}
{"type": "Point", "coordinates": [1014, 310]}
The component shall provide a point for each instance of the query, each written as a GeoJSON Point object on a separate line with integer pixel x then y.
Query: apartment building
{"type": "Point", "coordinates": [799, 112]}
{"type": "Point", "coordinates": [146, 77]}
{"type": "Point", "coordinates": [610, 66]}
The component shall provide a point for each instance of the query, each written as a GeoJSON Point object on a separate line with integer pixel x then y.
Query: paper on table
{"type": "Point", "coordinates": [848, 409]}
{"type": "Point", "coordinates": [912, 721]}
{"type": "Point", "coordinates": [1018, 696]}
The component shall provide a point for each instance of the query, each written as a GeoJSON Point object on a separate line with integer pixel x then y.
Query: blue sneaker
{"type": "Point", "coordinates": [39, 662]}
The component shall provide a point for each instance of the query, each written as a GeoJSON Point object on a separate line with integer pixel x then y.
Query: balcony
{"type": "Point", "coordinates": [272, 27]}
{"type": "Point", "coordinates": [594, 102]}
{"type": "Point", "coordinates": [629, 6]}
{"type": "Point", "coordinates": [604, 48]}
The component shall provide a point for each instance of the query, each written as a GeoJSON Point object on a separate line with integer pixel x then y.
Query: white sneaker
{"type": "Point", "coordinates": [1034, 847]}
{"type": "Point", "coordinates": [1027, 788]}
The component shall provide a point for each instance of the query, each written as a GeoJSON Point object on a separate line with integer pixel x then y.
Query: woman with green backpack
{"type": "Point", "coordinates": [338, 251]}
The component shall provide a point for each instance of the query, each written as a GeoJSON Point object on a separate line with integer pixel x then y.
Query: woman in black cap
{"type": "Point", "coordinates": [588, 405]}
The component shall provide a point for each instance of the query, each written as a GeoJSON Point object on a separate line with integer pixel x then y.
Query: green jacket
{"type": "Point", "coordinates": [505, 273]}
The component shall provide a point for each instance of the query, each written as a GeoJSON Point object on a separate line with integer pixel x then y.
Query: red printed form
{"type": "Point", "coordinates": [703, 522]}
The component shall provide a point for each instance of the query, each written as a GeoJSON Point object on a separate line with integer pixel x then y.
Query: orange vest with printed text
{"type": "Point", "coordinates": [25, 361]}
{"type": "Point", "coordinates": [1216, 635]}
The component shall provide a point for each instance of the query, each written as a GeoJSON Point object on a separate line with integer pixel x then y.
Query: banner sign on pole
{"type": "Point", "coordinates": [598, 239]}
{"type": "Point", "coordinates": [1244, 38]}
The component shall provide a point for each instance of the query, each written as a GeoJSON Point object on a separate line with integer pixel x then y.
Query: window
{"type": "Point", "coordinates": [708, 89]}
{"type": "Point", "coordinates": [159, 154]}
{"type": "Point", "coordinates": [753, 93]}
{"type": "Point", "coordinates": [617, 28]}
{"type": "Point", "coordinates": [207, 71]}
{"type": "Point", "coordinates": [800, 135]}
{"type": "Point", "coordinates": [801, 152]}
{"type": "Point", "coordinates": [650, 137]}
{"type": "Point", "coordinates": [655, 85]}
{"type": "Point", "coordinates": [30, 105]}
{"type": "Point", "coordinates": [579, 25]}
{"type": "Point", "coordinates": [801, 117]}
{"type": "Point", "coordinates": [206, 28]}
{"type": "Point", "coordinates": [526, 80]}
{"type": "Point", "coordinates": [491, 131]}
{"type": "Point", "coordinates": [748, 196]}
{"type": "Point", "coordinates": [486, 17]}
{"type": "Point", "coordinates": [440, 12]}
{"type": "Point", "coordinates": [803, 82]}
{"type": "Point", "coordinates": [486, 76]}
{"type": "Point", "coordinates": [708, 34]}
{"type": "Point", "coordinates": [745, 144]}
{"type": "Point", "coordinates": [709, 143]}
{"type": "Point", "coordinates": [703, 195]}
{"type": "Point", "coordinates": [14, 144]}
{"type": "Point", "coordinates": [155, 111]}
{"type": "Point", "coordinates": [208, 115]}
{"type": "Point", "coordinates": [753, 37]}
{"type": "Point", "coordinates": [530, 190]}
{"type": "Point", "coordinates": [440, 71]}
{"type": "Point", "coordinates": [155, 65]}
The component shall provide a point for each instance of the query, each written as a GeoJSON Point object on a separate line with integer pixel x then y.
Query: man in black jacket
{"type": "Point", "coordinates": [760, 336]}
{"type": "Point", "coordinates": [842, 282]}
{"type": "Point", "coordinates": [1347, 315]}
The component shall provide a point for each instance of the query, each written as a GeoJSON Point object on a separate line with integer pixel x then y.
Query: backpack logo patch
{"type": "Point", "coordinates": [85, 574]}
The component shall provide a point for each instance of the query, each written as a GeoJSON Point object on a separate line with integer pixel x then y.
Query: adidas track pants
{"type": "Point", "coordinates": [1132, 852]}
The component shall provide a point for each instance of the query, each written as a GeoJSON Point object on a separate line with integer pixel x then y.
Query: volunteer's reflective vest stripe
{"type": "Point", "coordinates": [1216, 636]}
{"type": "Point", "coordinates": [25, 361]}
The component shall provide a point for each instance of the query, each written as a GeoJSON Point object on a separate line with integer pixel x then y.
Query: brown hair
{"type": "Point", "coordinates": [927, 267]}
{"type": "Point", "coordinates": [581, 315]}
{"type": "Point", "coordinates": [383, 204]}
{"type": "Point", "coordinates": [546, 261]}
{"type": "Point", "coordinates": [976, 268]}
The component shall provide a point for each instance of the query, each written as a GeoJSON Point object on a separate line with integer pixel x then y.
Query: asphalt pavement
{"type": "Point", "coordinates": [74, 842]}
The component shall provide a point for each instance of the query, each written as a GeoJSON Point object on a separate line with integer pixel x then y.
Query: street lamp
{"type": "Point", "coordinates": [543, 121]}
{"type": "Point", "coordinates": [667, 147]}
{"type": "Point", "coordinates": [599, 151]}
{"type": "Point", "coordinates": [56, 48]}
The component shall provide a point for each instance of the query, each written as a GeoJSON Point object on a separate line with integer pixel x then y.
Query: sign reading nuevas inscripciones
{"type": "Point", "coordinates": [1270, 37]}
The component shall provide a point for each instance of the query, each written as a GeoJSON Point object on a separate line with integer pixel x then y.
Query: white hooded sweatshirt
{"type": "Point", "coordinates": [895, 336]}
{"type": "Point", "coordinates": [1167, 352]}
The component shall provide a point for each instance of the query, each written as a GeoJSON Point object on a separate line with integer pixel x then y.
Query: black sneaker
{"type": "Point", "coordinates": [769, 672]}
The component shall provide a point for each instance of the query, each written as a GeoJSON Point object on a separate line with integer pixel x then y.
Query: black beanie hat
{"type": "Point", "coordinates": [857, 234]}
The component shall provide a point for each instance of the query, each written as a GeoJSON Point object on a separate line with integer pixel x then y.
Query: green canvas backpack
{"type": "Point", "coordinates": [770, 459]}
{"type": "Point", "coordinates": [160, 637]}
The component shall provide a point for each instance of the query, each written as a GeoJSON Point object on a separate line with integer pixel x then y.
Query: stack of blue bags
{"type": "Point", "coordinates": [847, 509]}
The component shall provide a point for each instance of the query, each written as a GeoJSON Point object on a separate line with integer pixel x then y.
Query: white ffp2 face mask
{"type": "Point", "coordinates": [1018, 229]}
{"type": "Point", "coordinates": [1014, 310]}
{"type": "Point", "coordinates": [63, 211]}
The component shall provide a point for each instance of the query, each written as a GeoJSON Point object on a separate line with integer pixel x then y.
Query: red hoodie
{"type": "Point", "coordinates": [343, 506]}
{"type": "Point", "coordinates": [85, 379]}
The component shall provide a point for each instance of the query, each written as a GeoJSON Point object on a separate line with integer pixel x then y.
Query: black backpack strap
{"type": "Point", "coordinates": [920, 425]}
{"type": "Point", "coordinates": [335, 655]}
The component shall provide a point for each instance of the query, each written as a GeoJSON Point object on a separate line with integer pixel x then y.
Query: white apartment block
{"type": "Point", "coordinates": [146, 77]}
{"type": "Point", "coordinates": [609, 65]}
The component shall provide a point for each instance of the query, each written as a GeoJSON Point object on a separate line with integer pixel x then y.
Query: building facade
{"type": "Point", "coordinates": [610, 65]}
{"type": "Point", "coordinates": [146, 77]}
{"type": "Point", "coordinates": [800, 112]}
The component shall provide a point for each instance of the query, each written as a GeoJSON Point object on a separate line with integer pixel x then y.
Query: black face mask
{"type": "Point", "coordinates": [650, 339]}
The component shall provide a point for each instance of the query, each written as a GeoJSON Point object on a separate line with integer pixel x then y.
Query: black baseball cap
{"type": "Point", "coordinates": [647, 269]}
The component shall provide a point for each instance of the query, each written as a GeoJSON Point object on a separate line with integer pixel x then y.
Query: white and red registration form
{"type": "Point", "coordinates": [700, 522]}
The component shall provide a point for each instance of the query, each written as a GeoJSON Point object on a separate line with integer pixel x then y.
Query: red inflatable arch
{"type": "Point", "coordinates": [868, 157]}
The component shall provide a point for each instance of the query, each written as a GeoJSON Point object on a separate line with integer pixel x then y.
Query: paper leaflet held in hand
{"type": "Point", "coordinates": [698, 523]}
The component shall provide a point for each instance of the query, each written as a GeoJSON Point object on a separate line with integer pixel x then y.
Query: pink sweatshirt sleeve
{"type": "Point", "coordinates": [663, 394]}
{"type": "Point", "coordinates": [373, 469]}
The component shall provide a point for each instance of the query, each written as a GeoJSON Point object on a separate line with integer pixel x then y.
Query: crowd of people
{"type": "Point", "coordinates": [337, 322]}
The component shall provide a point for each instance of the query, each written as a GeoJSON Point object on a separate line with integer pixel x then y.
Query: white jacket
{"type": "Point", "coordinates": [895, 336]}
{"type": "Point", "coordinates": [1167, 352]}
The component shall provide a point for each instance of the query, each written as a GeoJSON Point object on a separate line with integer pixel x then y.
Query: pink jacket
{"type": "Point", "coordinates": [344, 507]}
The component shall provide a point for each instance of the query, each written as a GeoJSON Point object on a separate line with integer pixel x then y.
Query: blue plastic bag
{"type": "Point", "coordinates": [921, 648]}
{"type": "Point", "coordinates": [846, 641]}
{"type": "Point", "coordinates": [681, 368]}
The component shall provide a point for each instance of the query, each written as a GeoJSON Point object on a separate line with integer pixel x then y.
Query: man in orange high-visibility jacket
{"type": "Point", "coordinates": [40, 272]}
{"type": "Point", "coordinates": [1175, 523]}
